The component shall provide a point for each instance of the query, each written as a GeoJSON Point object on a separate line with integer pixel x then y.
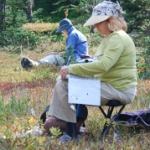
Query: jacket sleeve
{"type": "Point", "coordinates": [109, 58]}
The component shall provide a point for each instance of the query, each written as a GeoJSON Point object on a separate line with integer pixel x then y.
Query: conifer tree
{"type": "Point", "coordinates": [137, 14]}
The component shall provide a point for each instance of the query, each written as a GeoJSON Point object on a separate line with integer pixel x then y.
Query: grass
{"type": "Point", "coordinates": [22, 90]}
{"type": "Point", "coordinates": [41, 27]}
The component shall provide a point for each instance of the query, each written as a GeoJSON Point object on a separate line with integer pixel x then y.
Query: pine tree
{"type": "Point", "coordinates": [136, 14]}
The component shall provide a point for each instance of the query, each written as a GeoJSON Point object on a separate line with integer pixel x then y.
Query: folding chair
{"type": "Point", "coordinates": [111, 105]}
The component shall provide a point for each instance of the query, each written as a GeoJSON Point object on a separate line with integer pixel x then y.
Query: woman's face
{"type": "Point", "coordinates": [102, 28]}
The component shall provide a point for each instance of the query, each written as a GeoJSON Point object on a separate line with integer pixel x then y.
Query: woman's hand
{"type": "Point", "coordinates": [64, 72]}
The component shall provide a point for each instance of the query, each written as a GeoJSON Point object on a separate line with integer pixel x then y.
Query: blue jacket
{"type": "Point", "coordinates": [77, 41]}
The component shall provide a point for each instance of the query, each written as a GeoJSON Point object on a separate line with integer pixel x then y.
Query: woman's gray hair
{"type": "Point", "coordinates": [117, 23]}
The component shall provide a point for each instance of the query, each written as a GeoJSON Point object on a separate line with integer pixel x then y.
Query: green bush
{"type": "Point", "coordinates": [56, 38]}
{"type": "Point", "coordinates": [142, 41]}
{"type": "Point", "coordinates": [16, 107]}
{"type": "Point", "coordinates": [18, 37]}
{"type": "Point", "coordinates": [15, 14]}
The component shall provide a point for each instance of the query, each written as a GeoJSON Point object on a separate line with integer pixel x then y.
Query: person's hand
{"type": "Point", "coordinates": [52, 53]}
{"type": "Point", "coordinates": [64, 72]}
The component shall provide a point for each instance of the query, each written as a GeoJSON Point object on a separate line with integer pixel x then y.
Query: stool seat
{"type": "Point", "coordinates": [113, 103]}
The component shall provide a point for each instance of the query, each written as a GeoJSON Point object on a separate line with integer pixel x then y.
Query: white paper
{"type": "Point", "coordinates": [84, 90]}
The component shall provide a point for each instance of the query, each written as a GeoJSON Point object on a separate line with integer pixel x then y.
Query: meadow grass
{"type": "Point", "coordinates": [41, 27]}
{"type": "Point", "coordinates": [22, 90]}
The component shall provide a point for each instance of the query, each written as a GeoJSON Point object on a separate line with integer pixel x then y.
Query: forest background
{"type": "Point", "coordinates": [27, 28]}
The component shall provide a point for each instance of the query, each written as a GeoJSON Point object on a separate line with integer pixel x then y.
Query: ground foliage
{"type": "Point", "coordinates": [22, 90]}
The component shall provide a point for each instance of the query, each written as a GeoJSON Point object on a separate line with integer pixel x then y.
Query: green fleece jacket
{"type": "Point", "coordinates": [116, 64]}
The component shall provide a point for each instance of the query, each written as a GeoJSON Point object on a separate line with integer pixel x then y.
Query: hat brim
{"type": "Point", "coordinates": [95, 19]}
{"type": "Point", "coordinates": [59, 30]}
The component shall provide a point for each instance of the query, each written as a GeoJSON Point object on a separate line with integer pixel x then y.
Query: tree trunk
{"type": "Point", "coordinates": [28, 10]}
{"type": "Point", "coordinates": [2, 15]}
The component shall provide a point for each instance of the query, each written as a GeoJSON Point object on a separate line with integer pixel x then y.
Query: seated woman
{"type": "Point", "coordinates": [114, 64]}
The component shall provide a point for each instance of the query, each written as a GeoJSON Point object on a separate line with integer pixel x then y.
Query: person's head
{"type": "Point", "coordinates": [64, 26]}
{"type": "Point", "coordinates": [106, 18]}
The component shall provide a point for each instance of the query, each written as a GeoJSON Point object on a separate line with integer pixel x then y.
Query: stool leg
{"type": "Point", "coordinates": [117, 134]}
{"type": "Point", "coordinates": [105, 131]}
{"type": "Point", "coordinates": [107, 125]}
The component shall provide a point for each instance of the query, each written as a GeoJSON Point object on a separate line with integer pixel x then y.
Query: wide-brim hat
{"type": "Point", "coordinates": [103, 11]}
{"type": "Point", "coordinates": [95, 19]}
{"type": "Point", "coordinates": [64, 24]}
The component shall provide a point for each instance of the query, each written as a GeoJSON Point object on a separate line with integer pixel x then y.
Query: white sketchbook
{"type": "Point", "coordinates": [83, 90]}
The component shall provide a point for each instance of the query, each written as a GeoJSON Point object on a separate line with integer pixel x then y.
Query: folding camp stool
{"type": "Point", "coordinates": [111, 105]}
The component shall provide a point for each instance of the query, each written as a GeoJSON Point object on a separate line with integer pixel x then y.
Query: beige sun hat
{"type": "Point", "coordinates": [103, 11]}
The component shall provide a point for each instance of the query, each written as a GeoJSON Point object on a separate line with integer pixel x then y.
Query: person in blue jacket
{"type": "Point", "coordinates": [75, 42]}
